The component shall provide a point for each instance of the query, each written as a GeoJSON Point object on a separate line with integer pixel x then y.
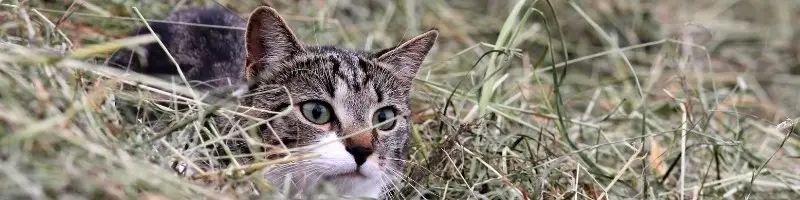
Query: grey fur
{"type": "Point", "coordinates": [209, 57]}
{"type": "Point", "coordinates": [355, 83]}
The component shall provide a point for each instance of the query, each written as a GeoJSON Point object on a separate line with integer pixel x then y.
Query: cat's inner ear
{"type": "Point", "coordinates": [406, 58]}
{"type": "Point", "coordinates": [268, 40]}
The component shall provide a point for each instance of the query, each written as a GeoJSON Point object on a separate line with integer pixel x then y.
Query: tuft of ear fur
{"type": "Point", "coordinates": [268, 40]}
{"type": "Point", "coordinates": [406, 58]}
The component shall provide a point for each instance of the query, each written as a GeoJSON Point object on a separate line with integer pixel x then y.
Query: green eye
{"type": "Point", "coordinates": [383, 115]}
{"type": "Point", "coordinates": [316, 112]}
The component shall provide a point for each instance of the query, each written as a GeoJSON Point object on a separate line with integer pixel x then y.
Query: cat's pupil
{"type": "Point", "coordinates": [381, 116]}
{"type": "Point", "coordinates": [316, 113]}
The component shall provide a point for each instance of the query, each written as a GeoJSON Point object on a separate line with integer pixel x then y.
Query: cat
{"type": "Point", "coordinates": [352, 106]}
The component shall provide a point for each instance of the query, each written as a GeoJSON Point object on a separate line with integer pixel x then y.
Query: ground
{"type": "Point", "coordinates": [605, 99]}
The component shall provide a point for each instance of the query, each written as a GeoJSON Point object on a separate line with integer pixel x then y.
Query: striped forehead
{"type": "Point", "coordinates": [356, 104]}
{"type": "Point", "coordinates": [341, 74]}
{"type": "Point", "coordinates": [352, 73]}
{"type": "Point", "coordinates": [351, 87]}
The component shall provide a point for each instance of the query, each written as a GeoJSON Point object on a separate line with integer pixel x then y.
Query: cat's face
{"type": "Point", "coordinates": [349, 107]}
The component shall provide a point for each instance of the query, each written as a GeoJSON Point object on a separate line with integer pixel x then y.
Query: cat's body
{"type": "Point", "coordinates": [208, 56]}
{"type": "Point", "coordinates": [351, 106]}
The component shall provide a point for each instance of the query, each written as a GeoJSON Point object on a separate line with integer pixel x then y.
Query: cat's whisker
{"type": "Point", "coordinates": [306, 168]}
{"type": "Point", "coordinates": [385, 189]}
{"type": "Point", "coordinates": [308, 177]}
{"type": "Point", "coordinates": [414, 164]}
{"type": "Point", "coordinates": [287, 169]}
{"type": "Point", "coordinates": [293, 173]}
{"type": "Point", "coordinates": [410, 182]}
{"type": "Point", "coordinates": [386, 192]}
{"type": "Point", "coordinates": [309, 180]}
{"type": "Point", "coordinates": [320, 174]}
{"type": "Point", "coordinates": [396, 159]}
{"type": "Point", "coordinates": [393, 186]}
{"type": "Point", "coordinates": [395, 175]}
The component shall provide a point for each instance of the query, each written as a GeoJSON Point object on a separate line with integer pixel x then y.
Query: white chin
{"type": "Point", "coordinates": [335, 167]}
{"type": "Point", "coordinates": [366, 183]}
{"type": "Point", "coordinates": [356, 185]}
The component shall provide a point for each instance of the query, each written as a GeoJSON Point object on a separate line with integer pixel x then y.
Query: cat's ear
{"type": "Point", "coordinates": [406, 58]}
{"type": "Point", "coordinates": [268, 39]}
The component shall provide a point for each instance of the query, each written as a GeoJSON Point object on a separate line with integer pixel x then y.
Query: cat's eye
{"type": "Point", "coordinates": [316, 112]}
{"type": "Point", "coordinates": [383, 115]}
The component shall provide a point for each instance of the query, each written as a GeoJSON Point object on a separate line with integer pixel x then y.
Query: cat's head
{"type": "Point", "coordinates": [350, 107]}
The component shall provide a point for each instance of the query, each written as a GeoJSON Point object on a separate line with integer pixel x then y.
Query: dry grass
{"type": "Point", "coordinates": [636, 99]}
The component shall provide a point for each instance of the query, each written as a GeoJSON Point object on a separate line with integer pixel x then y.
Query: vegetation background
{"type": "Point", "coordinates": [602, 99]}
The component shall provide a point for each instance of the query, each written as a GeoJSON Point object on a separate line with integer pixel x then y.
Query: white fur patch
{"type": "Point", "coordinates": [335, 166]}
{"type": "Point", "coordinates": [340, 93]}
{"type": "Point", "coordinates": [333, 154]}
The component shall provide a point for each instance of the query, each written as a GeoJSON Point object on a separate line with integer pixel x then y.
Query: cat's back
{"type": "Point", "coordinates": [207, 43]}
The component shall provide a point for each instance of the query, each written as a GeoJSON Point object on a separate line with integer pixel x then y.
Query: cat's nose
{"type": "Point", "coordinates": [359, 153]}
